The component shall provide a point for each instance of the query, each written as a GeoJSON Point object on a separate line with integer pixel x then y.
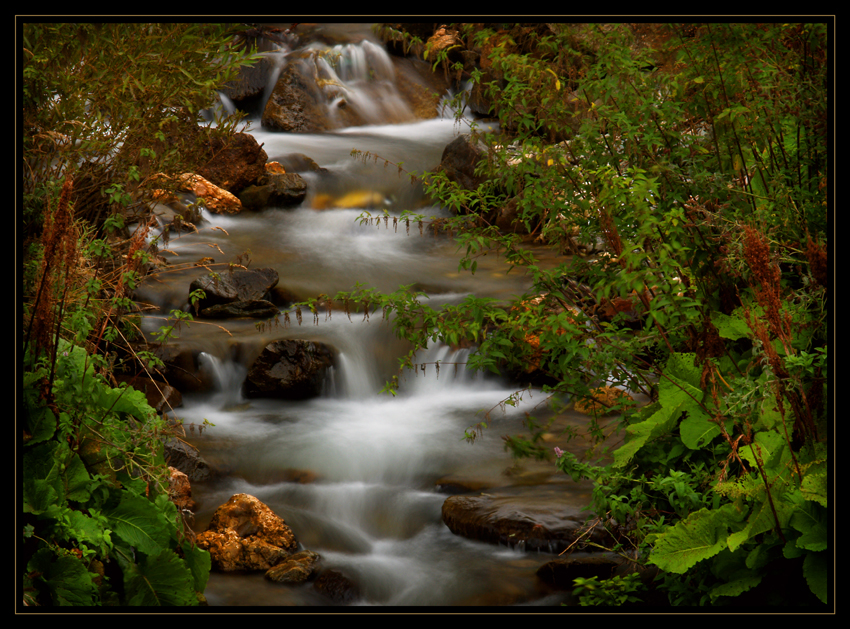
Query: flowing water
{"type": "Point", "coordinates": [373, 510]}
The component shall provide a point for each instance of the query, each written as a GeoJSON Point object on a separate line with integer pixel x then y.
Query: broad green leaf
{"type": "Point", "coordinates": [699, 536]}
{"type": "Point", "coordinates": [730, 327]}
{"type": "Point", "coordinates": [659, 423]}
{"type": "Point", "coordinates": [737, 586]}
{"type": "Point", "coordinates": [768, 445]}
{"type": "Point", "coordinates": [76, 479]}
{"type": "Point", "coordinates": [814, 486]}
{"type": "Point", "coordinates": [41, 423]}
{"type": "Point", "coordinates": [697, 429]}
{"type": "Point", "coordinates": [162, 579]}
{"type": "Point", "coordinates": [811, 522]}
{"type": "Point", "coordinates": [816, 571]}
{"type": "Point", "coordinates": [760, 520]}
{"type": "Point", "coordinates": [199, 562]}
{"type": "Point", "coordinates": [682, 367]}
{"type": "Point", "coordinates": [138, 522]}
{"type": "Point", "coordinates": [42, 484]}
{"type": "Point", "coordinates": [66, 578]}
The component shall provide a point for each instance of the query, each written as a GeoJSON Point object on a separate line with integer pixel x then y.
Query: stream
{"type": "Point", "coordinates": [373, 511]}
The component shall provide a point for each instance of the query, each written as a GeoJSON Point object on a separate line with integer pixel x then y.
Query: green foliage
{"type": "Point", "coordinates": [106, 109]}
{"type": "Point", "coordinates": [612, 592]}
{"type": "Point", "coordinates": [112, 105]}
{"type": "Point", "coordinates": [95, 495]}
{"type": "Point", "coordinates": [695, 157]}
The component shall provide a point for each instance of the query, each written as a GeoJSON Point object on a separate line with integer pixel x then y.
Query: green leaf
{"type": "Point", "coordinates": [768, 445]}
{"type": "Point", "coordinates": [66, 578]}
{"type": "Point", "coordinates": [659, 423]}
{"type": "Point", "coordinates": [162, 579]}
{"type": "Point", "coordinates": [682, 366]}
{"type": "Point", "coordinates": [761, 519]}
{"type": "Point", "coordinates": [814, 486]}
{"type": "Point", "coordinates": [42, 485]}
{"type": "Point", "coordinates": [730, 327]}
{"type": "Point", "coordinates": [737, 586]}
{"type": "Point", "coordinates": [699, 536]}
{"type": "Point", "coordinates": [138, 522]}
{"type": "Point", "coordinates": [199, 562]}
{"type": "Point", "coordinates": [816, 571]}
{"type": "Point", "coordinates": [697, 429]}
{"type": "Point", "coordinates": [810, 520]}
{"type": "Point", "coordinates": [41, 423]}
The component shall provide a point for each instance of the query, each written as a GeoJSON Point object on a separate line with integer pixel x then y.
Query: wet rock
{"type": "Point", "coordinates": [234, 164]}
{"type": "Point", "coordinates": [253, 308]}
{"type": "Point", "coordinates": [180, 364]}
{"type": "Point", "coordinates": [560, 572]}
{"type": "Point", "coordinates": [337, 587]}
{"type": "Point", "coordinates": [180, 490]}
{"type": "Point", "coordinates": [460, 158]}
{"type": "Point", "coordinates": [279, 190]}
{"type": "Point", "coordinates": [235, 285]}
{"type": "Point", "coordinates": [289, 369]}
{"type": "Point", "coordinates": [296, 568]}
{"type": "Point", "coordinates": [216, 199]}
{"type": "Point", "coordinates": [245, 534]}
{"type": "Point", "coordinates": [531, 521]}
{"type": "Point", "coordinates": [292, 105]}
{"type": "Point", "coordinates": [188, 460]}
{"type": "Point", "coordinates": [299, 163]}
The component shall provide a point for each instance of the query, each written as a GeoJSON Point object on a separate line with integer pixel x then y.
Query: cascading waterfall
{"type": "Point", "coordinates": [373, 510]}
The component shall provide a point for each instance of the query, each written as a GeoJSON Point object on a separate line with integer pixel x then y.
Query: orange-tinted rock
{"type": "Point", "coordinates": [245, 534]}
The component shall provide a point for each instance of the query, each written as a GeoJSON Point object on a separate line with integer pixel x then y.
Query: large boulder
{"type": "Point", "coordinates": [289, 369]}
{"type": "Point", "coordinates": [245, 534]}
{"type": "Point", "coordinates": [295, 104]}
{"type": "Point", "coordinates": [460, 158]}
{"type": "Point", "coordinates": [235, 163]}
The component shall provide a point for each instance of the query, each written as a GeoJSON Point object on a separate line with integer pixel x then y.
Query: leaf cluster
{"type": "Point", "coordinates": [696, 158]}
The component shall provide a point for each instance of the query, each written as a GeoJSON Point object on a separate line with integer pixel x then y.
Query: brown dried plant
{"type": "Point", "coordinates": [59, 249]}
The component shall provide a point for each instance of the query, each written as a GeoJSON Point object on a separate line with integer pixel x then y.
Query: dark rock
{"type": "Point", "coordinates": [180, 365]}
{"type": "Point", "coordinates": [235, 165]}
{"type": "Point", "coordinates": [238, 285]}
{"type": "Point", "coordinates": [460, 158]}
{"type": "Point", "coordinates": [560, 572]}
{"type": "Point", "coordinates": [253, 308]}
{"type": "Point", "coordinates": [534, 522]}
{"type": "Point", "coordinates": [289, 369]}
{"type": "Point", "coordinates": [300, 163]}
{"type": "Point", "coordinates": [337, 587]}
{"type": "Point", "coordinates": [279, 190]}
{"type": "Point", "coordinates": [187, 459]}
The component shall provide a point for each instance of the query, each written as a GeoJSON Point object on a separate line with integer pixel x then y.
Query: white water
{"type": "Point", "coordinates": [373, 510]}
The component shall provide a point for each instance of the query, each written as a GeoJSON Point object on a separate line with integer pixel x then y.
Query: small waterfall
{"type": "Point", "coordinates": [360, 76]}
{"type": "Point", "coordinates": [442, 368]}
{"type": "Point", "coordinates": [227, 378]}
